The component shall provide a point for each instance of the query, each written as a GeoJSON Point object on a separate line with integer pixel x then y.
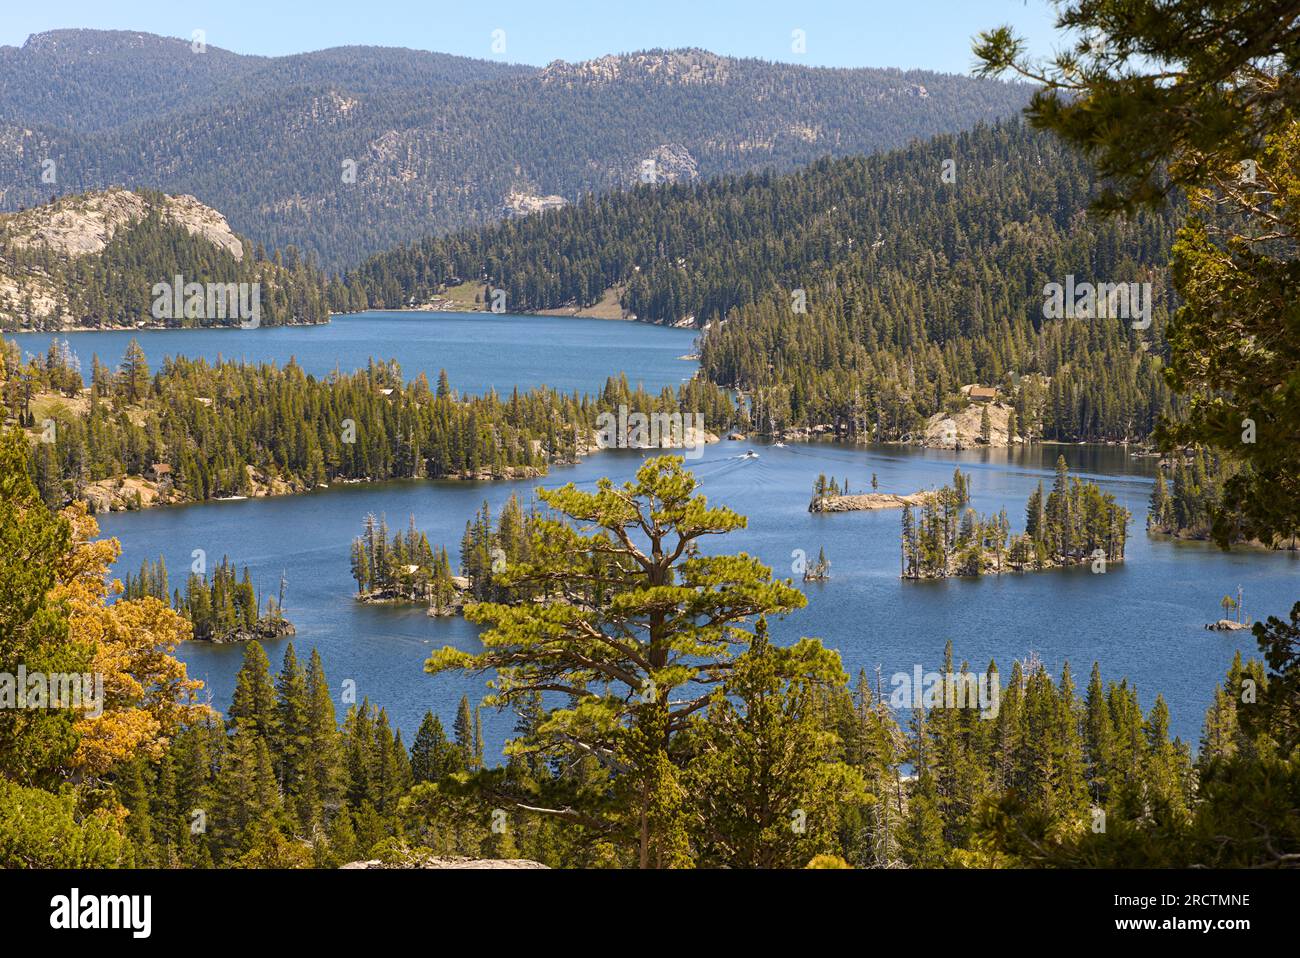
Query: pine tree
{"type": "Point", "coordinates": [1071, 798]}
{"type": "Point", "coordinates": [292, 741]}
{"type": "Point", "coordinates": [656, 675]}
{"type": "Point", "coordinates": [253, 705]}
{"type": "Point", "coordinates": [1098, 739]}
{"type": "Point", "coordinates": [1035, 519]}
{"type": "Point", "coordinates": [432, 756]}
{"type": "Point", "coordinates": [245, 793]}
{"type": "Point", "coordinates": [464, 732]}
{"type": "Point", "coordinates": [1166, 765]}
{"type": "Point", "coordinates": [922, 838]}
{"type": "Point", "coordinates": [324, 774]}
{"type": "Point", "coordinates": [768, 786]}
{"type": "Point", "coordinates": [134, 373]}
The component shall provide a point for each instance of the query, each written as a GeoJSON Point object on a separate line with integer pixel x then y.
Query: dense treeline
{"type": "Point", "coordinates": [115, 286]}
{"type": "Point", "coordinates": [1048, 775]}
{"type": "Point", "coordinates": [1075, 523]}
{"type": "Point", "coordinates": [945, 287]}
{"type": "Point", "coordinates": [222, 607]}
{"type": "Point", "coordinates": [281, 783]}
{"type": "Point", "coordinates": [1188, 495]}
{"type": "Point", "coordinates": [784, 232]}
{"type": "Point", "coordinates": [1185, 493]}
{"type": "Point", "coordinates": [236, 429]}
{"type": "Point", "coordinates": [860, 292]}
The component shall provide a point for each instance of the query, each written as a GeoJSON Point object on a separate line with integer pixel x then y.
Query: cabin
{"type": "Point", "coordinates": [983, 393]}
{"type": "Point", "coordinates": [159, 472]}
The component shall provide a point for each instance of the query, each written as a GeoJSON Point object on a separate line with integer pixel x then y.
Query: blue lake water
{"type": "Point", "coordinates": [480, 351]}
{"type": "Point", "coordinates": [1144, 619]}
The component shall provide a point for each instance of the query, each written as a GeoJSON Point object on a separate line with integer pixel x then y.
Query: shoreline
{"type": "Point", "coordinates": [560, 312]}
{"type": "Point", "coordinates": [156, 328]}
{"type": "Point", "coordinates": [342, 483]}
{"type": "Point", "coordinates": [563, 312]}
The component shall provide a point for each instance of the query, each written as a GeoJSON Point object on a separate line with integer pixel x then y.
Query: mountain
{"type": "Point", "coordinates": [97, 260]}
{"type": "Point", "coordinates": [859, 294]}
{"type": "Point", "coordinates": [346, 152]}
{"type": "Point", "coordinates": [92, 81]}
{"type": "Point", "coordinates": [658, 246]}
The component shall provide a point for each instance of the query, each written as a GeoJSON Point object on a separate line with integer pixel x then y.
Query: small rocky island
{"type": "Point", "coordinates": [1227, 625]}
{"type": "Point", "coordinates": [1235, 607]}
{"type": "Point", "coordinates": [829, 495]}
{"type": "Point", "coordinates": [405, 568]}
{"type": "Point", "coordinates": [1073, 524]}
{"type": "Point", "coordinates": [820, 570]}
{"type": "Point", "coordinates": [867, 502]}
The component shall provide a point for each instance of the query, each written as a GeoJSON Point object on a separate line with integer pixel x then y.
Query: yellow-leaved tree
{"type": "Point", "coordinates": [147, 692]}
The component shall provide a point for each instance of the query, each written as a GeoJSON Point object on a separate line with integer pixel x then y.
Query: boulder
{"type": "Point", "coordinates": [961, 430]}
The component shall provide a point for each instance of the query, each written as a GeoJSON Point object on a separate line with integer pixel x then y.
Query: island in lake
{"type": "Point", "coordinates": [1074, 524]}
{"type": "Point", "coordinates": [404, 568]}
{"type": "Point", "coordinates": [223, 608]}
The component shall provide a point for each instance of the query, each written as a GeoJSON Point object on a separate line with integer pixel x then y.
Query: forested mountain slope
{"type": "Point", "coordinates": [436, 143]}
{"type": "Point", "coordinates": [911, 283]}
{"type": "Point", "coordinates": [89, 81]}
{"type": "Point", "coordinates": [97, 260]}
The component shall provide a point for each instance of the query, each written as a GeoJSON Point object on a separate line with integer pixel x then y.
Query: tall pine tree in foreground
{"type": "Point", "coordinates": [634, 628]}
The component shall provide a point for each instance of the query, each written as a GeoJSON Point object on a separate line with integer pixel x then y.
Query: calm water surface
{"type": "Point", "coordinates": [480, 351]}
{"type": "Point", "coordinates": [1144, 619]}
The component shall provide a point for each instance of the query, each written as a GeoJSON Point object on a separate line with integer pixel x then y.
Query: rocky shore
{"type": "Point", "coordinates": [266, 629]}
{"type": "Point", "coordinates": [1227, 625]}
{"type": "Point", "coordinates": [454, 606]}
{"type": "Point", "coordinates": [433, 861]}
{"type": "Point", "coordinates": [867, 502]}
{"type": "Point", "coordinates": [964, 429]}
{"type": "Point", "coordinates": [128, 493]}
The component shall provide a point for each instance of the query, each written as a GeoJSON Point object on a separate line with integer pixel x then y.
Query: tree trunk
{"type": "Point", "coordinates": [645, 825]}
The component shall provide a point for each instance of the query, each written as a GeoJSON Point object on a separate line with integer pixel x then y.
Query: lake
{"type": "Point", "coordinates": [480, 351]}
{"type": "Point", "coordinates": [1144, 619]}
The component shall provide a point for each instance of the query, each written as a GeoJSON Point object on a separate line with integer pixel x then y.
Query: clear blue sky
{"type": "Point", "coordinates": [930, 34]}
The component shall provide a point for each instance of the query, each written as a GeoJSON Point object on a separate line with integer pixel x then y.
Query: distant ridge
{"type": "Point", "coordinates": [348, 151]}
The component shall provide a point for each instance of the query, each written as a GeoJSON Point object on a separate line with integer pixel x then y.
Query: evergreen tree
{"type": "Point", "coordinates": [464, 732]}
{"type": "Point", "coordinates": [767, 781]}
{"type": "Point", "coordinates": [292, 730]}
{"type": "Point", "coordinates": [432, 755]}
{"type": "Point", "coordinates": [253, 704]}
{"type": "Point", "coordinates": [654, 704]}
